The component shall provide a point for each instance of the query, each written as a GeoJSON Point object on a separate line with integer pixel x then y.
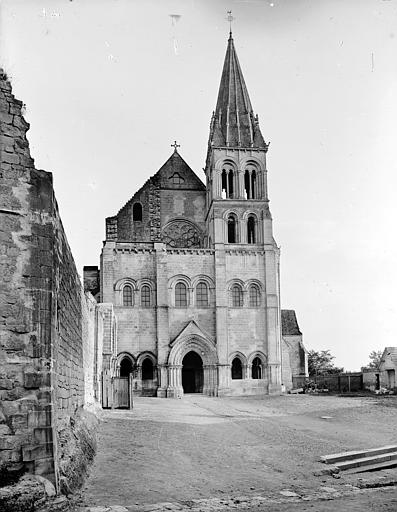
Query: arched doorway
{"type": "Point", "coordinates": [125, 367]}
{"type": "Point", "coordinates": [192, 373]}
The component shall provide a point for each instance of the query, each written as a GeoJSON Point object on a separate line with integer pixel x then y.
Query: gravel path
{"type": "Point", "coordinates": [203, 449]}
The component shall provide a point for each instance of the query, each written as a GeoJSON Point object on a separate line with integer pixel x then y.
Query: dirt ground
{"type": "Point", "coordinates": [241, 453]}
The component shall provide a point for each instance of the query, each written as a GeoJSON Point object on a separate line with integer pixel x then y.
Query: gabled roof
{"type": "Point", "coordinates": [176, 169]}
{"type": "Point", "coordinates": [390, 352]}
{"type": "Point", "coordinates": [289, 323]}
{"type": "Point", "coordinates": [190, 330]}
{"type": "Point", "coordinates": [233, 122]}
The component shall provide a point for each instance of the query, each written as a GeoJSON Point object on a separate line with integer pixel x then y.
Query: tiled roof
{"type": "Point", "coordinates": [289, 323]}
{"type": "Point", "coordinates": [390, 352]}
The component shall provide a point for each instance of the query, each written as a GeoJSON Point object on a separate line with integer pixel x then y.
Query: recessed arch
{"type": "Point", "coordinates": [222, 162]}
{"type": "Point", "coordinates": [204, 348]}
{"type": "Point", "coordinates": [125, 363]}
{"type": "Point", "coordinates": [238, 354]}
{"type": "Point", "coordinates": [181, 232]}
{"type": "Point", "coordinates": [259, 354]}
{"type": "Point", "coordinates": [257, 363]}
{"type": "Point", "coordinates": [144, 355]}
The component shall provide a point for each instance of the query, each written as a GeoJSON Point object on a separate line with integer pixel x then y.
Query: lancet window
{"type": "Point", "coordinates": [251, 230]}
{"type": "Point", "coordinates": [237, 369]}
{"type": "Point", "coordinates": [147, 369]}
{"type": "Point", "coordinates": [232, 229]}
{"type": "Point", "coordinates": [256, 368]}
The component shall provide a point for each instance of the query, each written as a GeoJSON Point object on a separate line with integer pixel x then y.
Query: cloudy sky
{"type": "Point", "coordinates": [110, 84]}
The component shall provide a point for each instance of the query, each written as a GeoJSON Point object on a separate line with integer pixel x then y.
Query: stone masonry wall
{"type": "Point", "coordinates": [41, 319]}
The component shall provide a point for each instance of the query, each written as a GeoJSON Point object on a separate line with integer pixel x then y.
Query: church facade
{"type": "Point", "coordinates": [189, 273]}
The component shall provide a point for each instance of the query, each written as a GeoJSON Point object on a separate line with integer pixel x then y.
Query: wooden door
{"type": "Point", "coordinates": [107, 390]}
{"type": "Point", "coordinates": [121, 392]}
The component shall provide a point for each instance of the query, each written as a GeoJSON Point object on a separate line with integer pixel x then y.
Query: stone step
{"type": "Point", "coordinates": [366, 461]}
{"type": "Point", "coordinates": [373, 467]}
{"type": "Point", "coordinates": [357, 454]}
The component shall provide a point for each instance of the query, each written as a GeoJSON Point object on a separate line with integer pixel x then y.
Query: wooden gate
{"type": "Point", "coordinates": [121, 393]}
{"type": "Point", "coordinates": [116, 392]}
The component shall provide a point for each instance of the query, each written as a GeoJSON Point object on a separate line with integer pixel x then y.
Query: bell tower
{"type": "Point", "coordinates": [237, 197]}
{"type": "Point", "coordinates": [239, 228]}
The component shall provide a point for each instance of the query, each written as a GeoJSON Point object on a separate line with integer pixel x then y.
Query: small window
{"type": "Point", "coordinates": [202, 295]}
{"type": "Point", "coordinates": [180, 295]}
{"type": "Point", "coordinates": [137, 212]}
{"type": "Point", "coordinates": [256, 368]}
{"type": "Point", "coordinates": [251, 230]}
{"type": "Point", "coordinates": [145, 296]}
{"type": "Point", "coordinates": [237, 296]}
{"type": "Point", "coordinates": [127, 295]}
{"type": "Point", "coordinates": [237, 369]}
{"type": "Point", "coordinates": [254, 296]}
{"type": "Point", "coordinates": [147, 369]}
{"type": "Point", "coordinates": [232, 229]}
{"type": "Point", "coordinates": [176, 179]}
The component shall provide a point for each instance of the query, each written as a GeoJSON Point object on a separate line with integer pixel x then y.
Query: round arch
{"type": "Point", "coordinates": [204, 348]}
{"type": "Point", "coordinates": [225, 161]}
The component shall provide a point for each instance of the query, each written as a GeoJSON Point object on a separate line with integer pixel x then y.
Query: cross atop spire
{"type": "Point", "coordinates": [230, 18]}
{"type": "Point", "coordinates": [175, 146]}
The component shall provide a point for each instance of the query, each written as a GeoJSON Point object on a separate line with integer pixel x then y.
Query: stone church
{"type": "Point", "coordinates": [189, 278]}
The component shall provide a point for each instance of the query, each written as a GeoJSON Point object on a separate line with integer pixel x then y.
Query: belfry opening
{"type": "Point", "coordinates": [192, 373]}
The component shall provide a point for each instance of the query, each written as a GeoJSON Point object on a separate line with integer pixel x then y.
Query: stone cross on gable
{"type": "Point", "coordinates": [175, 146]}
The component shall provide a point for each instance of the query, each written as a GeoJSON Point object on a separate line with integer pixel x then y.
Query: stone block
{"type": "Point", "coordinates": [36, 452]}
{"type": "Point", "coordinates": [6, 118]}
{"type": "Point", "coordinates": [10, 158]}
{"type": "Point", "coordinates": [10, 407]}
{"type": "Point", "coordinates": [6, 384]}
{"type": "Point", "coordinates": [5, 430]}
{"type": "Point", "coordinates": [43, 435]}
{"type": "Point", "coordinates": [19, 421]}
{"type": "Point", "coordinates": [44, 466]}
{"type": "Point", "coordinates": [32, 380]}
{"type": "Point", "coordinates": [40, 418]}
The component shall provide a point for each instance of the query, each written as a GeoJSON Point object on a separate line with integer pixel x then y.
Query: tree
{"type": "Point", "coordinates": [320, 362]}
{"type": "Point", "coordinates": [374, 359]}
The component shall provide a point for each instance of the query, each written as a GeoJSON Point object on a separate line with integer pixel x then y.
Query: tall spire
{"type": "Point", "coordinates": [234, 123]}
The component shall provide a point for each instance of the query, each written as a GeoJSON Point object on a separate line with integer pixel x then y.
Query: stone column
{"type": "Point", "coordinates": [163, 336]}
{"type": "Point", "coordinates": [174, 389]}
{"type": "Point", "coordinates": [162, 376]}
{"type": "Point", "coordinates": [240, 182]}
{"type": "Point", "coordinates": [223, 379]}
{"type": "Point", "coordinates": [221, 318]}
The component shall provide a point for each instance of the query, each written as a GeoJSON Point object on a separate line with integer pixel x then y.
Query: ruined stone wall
{"type": "Point", "coordinates": [41, 321]}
